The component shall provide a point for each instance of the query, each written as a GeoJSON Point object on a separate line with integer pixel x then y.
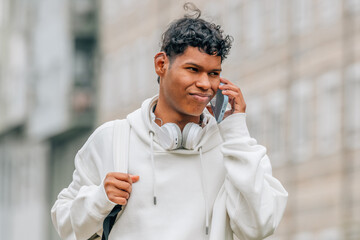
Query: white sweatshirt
{"type": "Point", "coordinates": [224, 185]}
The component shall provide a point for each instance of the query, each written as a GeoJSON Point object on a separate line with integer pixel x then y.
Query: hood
{"type": "Point", "coordinates": [140, 122]}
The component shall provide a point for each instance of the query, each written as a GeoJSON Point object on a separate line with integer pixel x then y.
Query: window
{"type": "Point", "coordinates": [83, 61]}
{"type": "Point", "coordinates": [301, 119]}
{"type": "Point", "coordinates": [234, 28]}
{"type": "Point", "coordinates": [276, 20]}
{"type": "Point", "coordinates": [110, 11]}
{"type": "Point", "coordinates": [14, 81]}
{"type": "Point", "coordinates": [352, 106]}
{"type": "Point", "coordinates": [231, 4]}
{"type": "Point", "coordinates": [328, 11]}
{"type": "Point", "coordinates": [24, 207]}
{"type": "Point", "coordinates": [125, 75]}
{"type": "Point", "coordinates": [255, 118]}
{"type": "Point", "coordinates": [304, 236]}
{"type": "Point", "coordinates": [330, 234]}
{"type": "Point", "coordinates": [105, 86]}
{"type": "Point", "coordinates": [328, 113]}
{"type": "Point", "coordinates": [140, 68]}
{"type": "Point", "coordinates": [253, 32]}
{"type": "Point", "coordinates": [352, 5]}
{"type": "Point", "coordinates": [301, 16]}
{"type": "Point", "coordinates": [275, 125]}
{"type": "Point", "coordinates": [114, 85]}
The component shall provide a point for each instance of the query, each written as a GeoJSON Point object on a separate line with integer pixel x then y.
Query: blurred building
{"type": "Point", "coordinates": [68, 66]}
{"type": "Point", "coordinates": [47, 103]}
{"type": "Point", "coordinates": [298, 65]}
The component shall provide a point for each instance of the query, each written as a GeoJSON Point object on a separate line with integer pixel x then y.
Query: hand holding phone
{"type": "Point", "coordinates": [219, 104]}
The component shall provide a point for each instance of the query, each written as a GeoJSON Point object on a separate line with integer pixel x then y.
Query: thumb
{"type": "Point", "coordinates": [134, 178]}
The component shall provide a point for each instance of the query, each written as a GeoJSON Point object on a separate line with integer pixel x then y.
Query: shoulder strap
{"type": "Point", "coordinates": [121, 137]}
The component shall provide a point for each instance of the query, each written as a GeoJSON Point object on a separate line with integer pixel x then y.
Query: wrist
{"type": "Point", "coordinates": [234, 126]}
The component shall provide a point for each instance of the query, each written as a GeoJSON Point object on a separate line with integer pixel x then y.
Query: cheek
{"type": "Point", "coordinates": [215, 85]}
{"type": "Point", "coordinates": [182, 84]}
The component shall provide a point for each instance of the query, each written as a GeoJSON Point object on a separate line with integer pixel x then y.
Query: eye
{"type": "Point", "coordinates": [192, 69]}
{"type": "Point", "coordinates": [214, 74]}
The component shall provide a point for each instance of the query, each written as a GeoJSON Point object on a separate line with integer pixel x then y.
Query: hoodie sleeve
{"type": "Point", "coordinates": [255, 199]}
{"type": "Point", "coordinates": [80, 209]}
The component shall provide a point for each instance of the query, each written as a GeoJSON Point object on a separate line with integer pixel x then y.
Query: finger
{"type": "Point", "coordinates": [121, 185]}
{"type": "Point", "coordinates": [232, 95]}
{"type": "Point", "coordinates": [233, 92]}
{"type": "Point", "coordinates": [122, 176]}
{"type": "Point", "coordinates": [122, 194]}
{"type": "Point", "coordinates": [134, 178]}
{"type": "Point", "coordinates": [236, 100]}
{"type": "Point", "coordinates": [115, 192]}
{"type": "Point", "coordinates": [224, 80]}
{"type": "Point", "coordinates": [115, 195]}
{"type": "Point", "coordinates": [119, 200]}
{"type": "Point", "coordinates": [230, 87]}
{"type": "Point", "coordinates": [232, 103]}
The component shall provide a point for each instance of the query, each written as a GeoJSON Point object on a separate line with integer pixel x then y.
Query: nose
{"type": "Point", "coordinates": [203, 81]}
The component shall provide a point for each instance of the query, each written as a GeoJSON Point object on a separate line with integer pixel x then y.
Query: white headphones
{"type": "Point", "coordinates": [171, 138]}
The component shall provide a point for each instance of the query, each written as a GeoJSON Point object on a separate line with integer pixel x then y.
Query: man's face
{"type": "Point", "coordinates": [190, 81]}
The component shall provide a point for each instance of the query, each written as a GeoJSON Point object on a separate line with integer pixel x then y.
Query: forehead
{"type": "Point", "coordinates": [194, 55]}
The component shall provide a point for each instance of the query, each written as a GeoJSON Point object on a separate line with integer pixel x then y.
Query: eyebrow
{"type": "Point", "coordinates": [198, 66]}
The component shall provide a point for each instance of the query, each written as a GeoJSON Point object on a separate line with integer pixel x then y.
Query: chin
{"type": "Point", "coordinates": [192, 109]}
{"type": "Point", "coordinates": [195, 112]}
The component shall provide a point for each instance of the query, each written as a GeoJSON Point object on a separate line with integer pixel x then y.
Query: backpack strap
{"type": "Point", "coordinates": [121, 137]}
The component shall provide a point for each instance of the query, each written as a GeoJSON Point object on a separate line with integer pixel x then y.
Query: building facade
{"type": "Point", "coordinates": [298, 66]}
{"type": "Point", "coordinates": [47, 101]}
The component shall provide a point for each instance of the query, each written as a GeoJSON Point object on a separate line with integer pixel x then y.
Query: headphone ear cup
{"type": "Point", "coordinates": [174, 132]}
{"type": "Point", "coordinates": [191, 135]}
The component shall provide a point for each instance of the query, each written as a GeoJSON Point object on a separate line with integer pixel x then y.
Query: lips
{"type": "Point", "coordinates": [201, 97]}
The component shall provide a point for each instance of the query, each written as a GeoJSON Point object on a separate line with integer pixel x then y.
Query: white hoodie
{"type": "Point", "coordinates": [224, 185]}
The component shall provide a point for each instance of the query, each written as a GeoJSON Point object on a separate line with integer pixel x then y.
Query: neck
{"type": "Point", "coordinates": [168, 115]}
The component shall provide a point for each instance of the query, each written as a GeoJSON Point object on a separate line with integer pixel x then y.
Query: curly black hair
{"type": "Point", "coordinates": [193, 31]}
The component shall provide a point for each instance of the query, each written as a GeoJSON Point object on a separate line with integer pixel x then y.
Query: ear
{"type": "Point", "coordinates": [161, 62]}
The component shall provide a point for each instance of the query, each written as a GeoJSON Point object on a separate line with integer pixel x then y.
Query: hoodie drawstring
{"type": "Point", "coordinates": [204, 193]}
{"type": "Point", "coordinates": [202, 181]}
{"type": "Point", "coordinates": [153, 165]}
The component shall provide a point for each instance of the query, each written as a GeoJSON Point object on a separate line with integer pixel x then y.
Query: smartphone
{"type": "Point", "coordinates": [219, 104]}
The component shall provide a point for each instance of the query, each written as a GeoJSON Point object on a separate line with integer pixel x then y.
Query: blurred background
{"type": "Point", "coordinates": [68, 66]}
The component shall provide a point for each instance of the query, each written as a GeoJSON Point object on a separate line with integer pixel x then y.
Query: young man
{"type": "Point", "coordinates": [190, 178]}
